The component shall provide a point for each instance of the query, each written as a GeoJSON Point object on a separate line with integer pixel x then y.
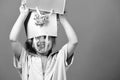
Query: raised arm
{"type": "Point", "coordinates": [18, 24]}
{"type": "Point", "coordinates": [14, 34]}
{"type": "Point", "coordinates": [71, 35]}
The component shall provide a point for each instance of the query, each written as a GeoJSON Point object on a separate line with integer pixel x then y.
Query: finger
{"type": "Point", "coordinates": [22, 7]}
{"type": "Point", "coordinates": [38, 11]}
{"type": "Point", "coordinates": [51, 12]}
{"type": "Point", "coordinates": [23, 2]}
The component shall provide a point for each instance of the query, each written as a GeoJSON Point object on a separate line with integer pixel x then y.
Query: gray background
{"type": "Point", "coordinates": [97, 25]}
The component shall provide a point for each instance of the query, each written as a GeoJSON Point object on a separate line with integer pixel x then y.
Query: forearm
{"type": "Point", "coordinates": [72, 38]}
{"type": "Point", "coordinates": [17, 28]}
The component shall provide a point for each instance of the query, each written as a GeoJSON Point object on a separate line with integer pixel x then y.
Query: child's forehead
{"type": "Point", "coordinates": [43, 36]}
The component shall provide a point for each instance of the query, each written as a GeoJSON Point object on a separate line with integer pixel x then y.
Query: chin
{"type": "Point", "coordinates": [42, 51]}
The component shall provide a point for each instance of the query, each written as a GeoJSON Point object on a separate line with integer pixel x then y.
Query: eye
{"type": "Point", "coordinates": [36, 38]}
{"type": "Point", "coordinates": [50, 38]}
{"type": "Point", "coordinates": [44, 37]}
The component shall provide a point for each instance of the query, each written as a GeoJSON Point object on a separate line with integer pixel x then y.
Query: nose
{"type": "Point", "coordinates": [42, 38]}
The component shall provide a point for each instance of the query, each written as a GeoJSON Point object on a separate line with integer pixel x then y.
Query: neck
{"type": "Point", "coordinates": [45, 54]}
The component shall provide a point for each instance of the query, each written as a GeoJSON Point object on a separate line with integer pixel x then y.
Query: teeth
{"type": "Point", "coordinates": [41, 49]}
{"type": "Point", "coordinates": [41, 46]}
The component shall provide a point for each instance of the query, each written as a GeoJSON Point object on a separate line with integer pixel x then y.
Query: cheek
{"type": "Point", "coordinates": [35, 44]}
{"type": "Point", "coordinates": [50, 45]}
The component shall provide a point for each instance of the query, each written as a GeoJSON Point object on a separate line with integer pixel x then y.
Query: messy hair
{"type": "Point", "coordinates": [28, 46]}
{"type": "Point", "coordinates": [31, 49]}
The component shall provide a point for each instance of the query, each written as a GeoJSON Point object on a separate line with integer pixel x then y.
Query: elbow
{"type": "Point", "coordinates": [75, 42]}
{"type": "Point", "coordinates": [11, 38]}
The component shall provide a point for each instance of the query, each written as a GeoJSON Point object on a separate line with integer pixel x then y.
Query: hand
{"type": "Point", "coordinates": [23, 9]}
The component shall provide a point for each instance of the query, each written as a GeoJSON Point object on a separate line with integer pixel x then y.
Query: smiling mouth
{"type": "Point", "coordinates": [41, 45]}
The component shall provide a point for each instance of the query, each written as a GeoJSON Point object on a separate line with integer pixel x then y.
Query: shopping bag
{"type": "Point", "coordinates": [57, 6]}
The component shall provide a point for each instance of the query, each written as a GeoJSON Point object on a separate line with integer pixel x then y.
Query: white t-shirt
{"type": "Point", "coordinates": [30, 66]}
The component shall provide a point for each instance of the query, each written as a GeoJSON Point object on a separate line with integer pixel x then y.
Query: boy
{"type": "Point", "coordinates": [36, 61]}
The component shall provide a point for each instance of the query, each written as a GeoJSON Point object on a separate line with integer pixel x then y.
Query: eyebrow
{"type": "Point", "coordinates": [40, 36]}
{"type": "Point", "coordinates": [49, 37]}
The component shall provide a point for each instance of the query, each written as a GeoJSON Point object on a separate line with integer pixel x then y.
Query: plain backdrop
{"type": "Point", "coordinates": [97, 25]}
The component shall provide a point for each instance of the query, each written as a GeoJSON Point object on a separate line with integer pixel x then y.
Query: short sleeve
{"type": "Point", "coordinates": [67, 61]}
{"type": "Point", "coordinates": [18, 60]}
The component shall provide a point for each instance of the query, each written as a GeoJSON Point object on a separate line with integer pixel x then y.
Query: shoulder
{"type": "Point", "coordinates": [54, 53]}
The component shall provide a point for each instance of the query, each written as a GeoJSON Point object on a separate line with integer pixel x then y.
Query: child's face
{"type": "Point", "coordinates": [42, 44]}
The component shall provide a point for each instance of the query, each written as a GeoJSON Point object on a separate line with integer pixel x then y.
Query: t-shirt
{"type": "Point", "coordinates": [30, 66]}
